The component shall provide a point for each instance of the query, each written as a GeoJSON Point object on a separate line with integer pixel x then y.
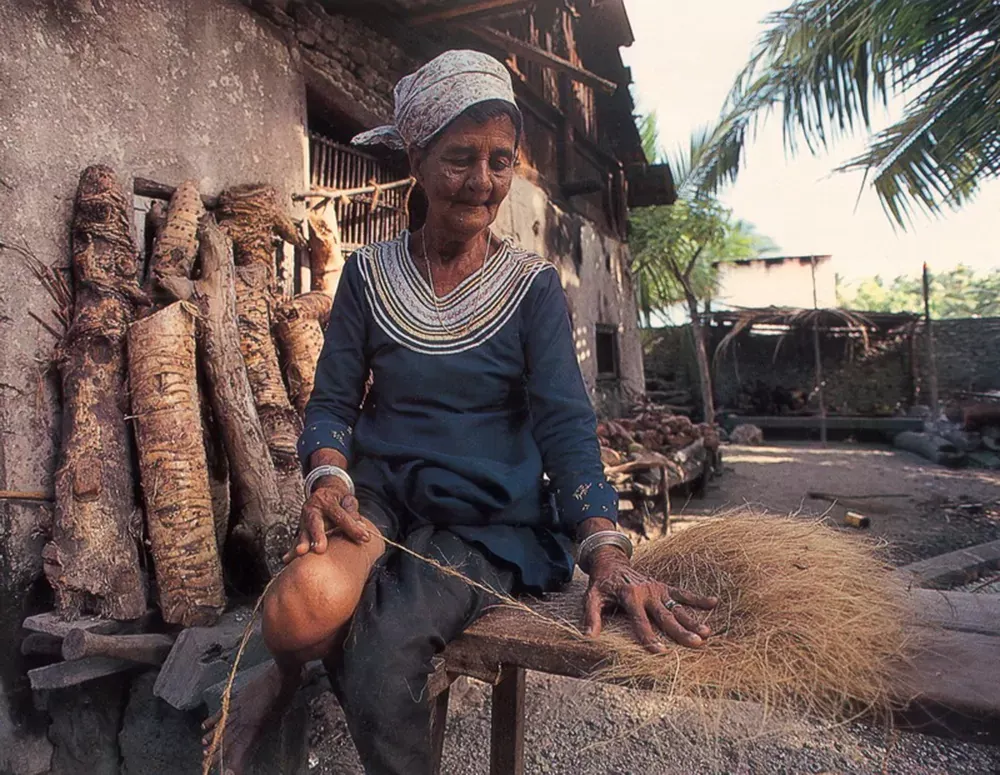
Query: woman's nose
{"type": "Point", "coordinates": [479, 178]}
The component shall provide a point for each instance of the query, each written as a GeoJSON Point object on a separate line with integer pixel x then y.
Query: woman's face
{"type": "Point", "coordinates": [466, 173]}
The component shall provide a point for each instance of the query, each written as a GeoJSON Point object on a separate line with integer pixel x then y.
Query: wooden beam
{"type": "Point", "coordinates": [479, 10]}
{"type": "Point", "coordinates": [540, 56]}
{"type": "Point", "coordinates": [153, 190]}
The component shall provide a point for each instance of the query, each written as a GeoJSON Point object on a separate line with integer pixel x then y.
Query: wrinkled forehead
{"type": "Point", "coordinates": [494, 134]}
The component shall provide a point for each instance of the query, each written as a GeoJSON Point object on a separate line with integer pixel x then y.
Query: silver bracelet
{"type": "Point", "coordinates": [320, 471]}
{"type": "Point", "coordinates": [598, 539]}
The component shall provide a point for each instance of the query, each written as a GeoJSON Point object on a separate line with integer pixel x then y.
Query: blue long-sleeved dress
{"type": "Point", "coordinates": [471, 400]}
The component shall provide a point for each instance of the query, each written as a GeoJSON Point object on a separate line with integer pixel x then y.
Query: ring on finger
{"type": "Point", "coordinates": [670, 604]}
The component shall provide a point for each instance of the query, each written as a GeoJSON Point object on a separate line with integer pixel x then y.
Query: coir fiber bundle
{"type": "Point", "coordinates": [809, 620]}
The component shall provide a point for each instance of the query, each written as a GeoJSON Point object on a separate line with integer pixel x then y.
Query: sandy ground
{"type": "Point", "coordinates": [576, 727]}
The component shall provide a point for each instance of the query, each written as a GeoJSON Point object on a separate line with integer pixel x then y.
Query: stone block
{"type": "Point", "coordinates": [84, 727]}
{"type": "Point", "coordinates": [156, 738]}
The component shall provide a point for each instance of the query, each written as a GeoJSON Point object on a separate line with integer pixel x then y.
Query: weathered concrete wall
{"type": "Point", "coordinates": [595, 273]}
{"type": "Point", "coordinates": [164, 89]}
{"type": "Point", "coordinates": [777, 282]}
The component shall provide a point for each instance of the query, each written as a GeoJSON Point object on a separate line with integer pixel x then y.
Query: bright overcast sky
{"type": "Point", "coordinates": [683, 62]}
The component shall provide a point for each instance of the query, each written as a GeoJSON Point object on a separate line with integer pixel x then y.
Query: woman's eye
{"type": "Point", "coordinates": [459, 161]}
{"type": "Point", "coordinates": [499, 165]}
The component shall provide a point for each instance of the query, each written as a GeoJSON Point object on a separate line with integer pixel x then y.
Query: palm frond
{"type": "Point", "coordinates": [827, 63]}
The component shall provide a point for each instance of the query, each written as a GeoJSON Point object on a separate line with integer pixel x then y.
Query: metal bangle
{"type": "Point", "coordinates": [601, 538]}
{"type": "Point", "coordinates": [320, 471]}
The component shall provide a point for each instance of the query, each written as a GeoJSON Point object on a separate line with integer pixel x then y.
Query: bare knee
{"type": "Point", "coordinates": [311, 600]}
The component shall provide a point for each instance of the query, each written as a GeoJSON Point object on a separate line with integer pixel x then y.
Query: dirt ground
{"type": "Point", "coordinates": [589, 729]}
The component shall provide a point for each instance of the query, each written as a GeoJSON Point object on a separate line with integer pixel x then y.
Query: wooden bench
{"type": "Point", "coordinates": [954, 681]}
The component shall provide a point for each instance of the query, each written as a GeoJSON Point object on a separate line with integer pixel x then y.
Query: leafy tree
{"type": "Point", "coordinates": [826, 63]}
{"type": "Point", "coordinates": [675, 249]}
{"type": "Point", "coordinates": [649, 134]}
{"type": "Point", "coordinates": [958, 293]}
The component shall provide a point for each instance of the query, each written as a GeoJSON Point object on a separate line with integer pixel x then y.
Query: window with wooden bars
{"type": "Point", "coordinates": [368, 216]}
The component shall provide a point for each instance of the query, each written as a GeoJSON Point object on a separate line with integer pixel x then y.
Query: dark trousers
{"type": "Point", "coordinates": [408, 612]}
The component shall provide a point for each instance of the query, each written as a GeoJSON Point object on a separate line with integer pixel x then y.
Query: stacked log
{"type": "Point", "coordinates": [252, 217]}
{"type": "Point", "coordinates": [299, 330]}
{"type": "Point", "coordinates": [326, 256]}
{"type": "Point", "coordinates": [173, 466]}
{"type": "Point", "coordinates": [92, 561]}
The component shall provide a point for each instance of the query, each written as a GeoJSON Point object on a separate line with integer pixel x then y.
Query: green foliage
{"type": "Point", "coordinates": [649, 133]}
{"type": "Point", "coordinates": [958, 293]}
{"type": "Point", "coordinates": [826, 63]}
{"type": "Point", "coordinates": [675, 248]}
{"type": "Point", "coordinates": [690, 236]}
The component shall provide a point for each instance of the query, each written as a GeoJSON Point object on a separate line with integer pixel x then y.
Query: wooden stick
{"type": "Point", "coordinates": [17, 495]}
{"type": "Point", "coordinates": [541, 56]}
{"type": "Point", "coordinates": [829, 496]}
{"type": "Point", "coordinates": [480, 9]}
{"type": "Point", "coordinates": [154, 190]}
{"type": "Point", "coordinates": [347, 193]}
{"type": "Point", "coordinates": [149, 649]}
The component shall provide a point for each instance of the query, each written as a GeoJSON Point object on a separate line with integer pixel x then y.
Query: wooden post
{"type": "Point", "coordinates": [507, 730]}
{"type": "Point", "coordinates": [931, 363]}
{"type": "Point", "coordinates": [439, 720]}
{"type": "Point", "coordinates": [818, 357]}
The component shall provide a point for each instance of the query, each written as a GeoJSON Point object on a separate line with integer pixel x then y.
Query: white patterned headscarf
{"type": "Point", "coordinates": [438, 93]}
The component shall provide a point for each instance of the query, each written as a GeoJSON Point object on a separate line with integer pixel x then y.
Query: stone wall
{"type": "Point", "coordinates": [967, 353]}
{"type": "Point", "coordinates": [163, 89]}
{"type": "Point", "coordinates": [891, 376]}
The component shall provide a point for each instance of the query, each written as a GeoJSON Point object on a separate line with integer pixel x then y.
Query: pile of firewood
{"type": "Point", "coordinates": [652, 430]}
{"type": "Point", "coordinates": [656, 450]}
{"type": "Point", "coordinates": [205, 368]}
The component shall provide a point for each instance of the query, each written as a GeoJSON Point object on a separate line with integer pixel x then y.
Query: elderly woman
{"type": "Point", "coordinates": [475, 395]}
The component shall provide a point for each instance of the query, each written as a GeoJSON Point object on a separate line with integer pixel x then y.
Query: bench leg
{"type": "Point", "coordinates": [439, 719]}
{"type": "Point", "coordinates": [507, 735]}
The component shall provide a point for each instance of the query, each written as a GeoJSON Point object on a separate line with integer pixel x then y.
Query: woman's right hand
{"type": "Point", "coordinates": [331, 507]}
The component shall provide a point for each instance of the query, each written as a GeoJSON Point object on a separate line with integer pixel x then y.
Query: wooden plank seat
{"type": "Point", "coordinates": [952, 684]}
{"type": "Point", "coordinates": [954, 681]}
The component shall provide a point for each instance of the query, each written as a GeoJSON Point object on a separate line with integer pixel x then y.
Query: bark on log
{"type": "Point", "coordinates": [251, 215]}
{"type": "Point", "coordinates": [299, 330]}
{"type": "Point", "coordinates": [326, 257]}
{"type": "Point", "coordinates": [278, 418]}
{"type": "Point", "coordinates": [92, 561]}
{"type": "Point", "coordinates": [167, 415]}
{"type": "Point", "coordinates": [218, 467]}
{"type": "Point", "coordinates": [255, 485]}
{"type": "Point", "coordinates": [176, 244]}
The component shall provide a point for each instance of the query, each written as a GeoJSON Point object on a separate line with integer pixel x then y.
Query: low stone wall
{"type": "Point", "coordinates": [893, 375]}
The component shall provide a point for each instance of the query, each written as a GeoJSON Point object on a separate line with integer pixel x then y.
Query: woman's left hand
{"type": "Point", "coordinates": [653, 608]}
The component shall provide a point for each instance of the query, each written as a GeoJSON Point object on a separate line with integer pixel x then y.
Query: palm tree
{"type": "Point", "coordinates": [826, 63]}
{"type": "Point", "coordinates": [676, 250]}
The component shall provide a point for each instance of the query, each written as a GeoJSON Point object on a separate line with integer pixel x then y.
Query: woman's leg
{"type": "Point", "coordinates": [303, 618]}
{"type": "Point", "coordinates": [408, 613]}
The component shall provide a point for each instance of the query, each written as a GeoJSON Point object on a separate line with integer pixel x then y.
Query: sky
{"type": "Point", "coordinates": [684, 60]}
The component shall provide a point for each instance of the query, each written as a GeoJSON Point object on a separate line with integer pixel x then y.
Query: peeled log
{"type": "Point", "coordinates": [176, 244]}
{"type": "Point", "coordinates": [179, 516]}
{"type": "Point", "coordinates": [254, 477]}
{"type": "Point", "coordinates": [326, 256]}
{"type": "Point", "coordinates": [92, 561]}
{"type": "Point", "coordinates": [299, 330]}
{"type": "Point", "coordinates": [935, 448]}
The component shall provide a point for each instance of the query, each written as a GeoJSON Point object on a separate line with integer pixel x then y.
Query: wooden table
{"type": "Point", "coordinates": [954, 682]}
